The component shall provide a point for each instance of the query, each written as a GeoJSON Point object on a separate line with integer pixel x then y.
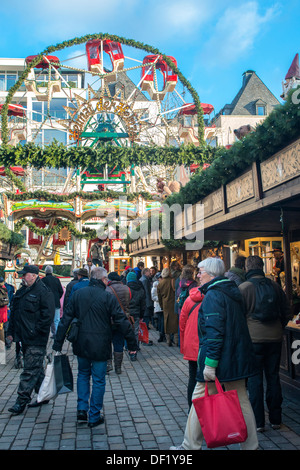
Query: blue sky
{"type": "Point", "coordinates": [214, 42]}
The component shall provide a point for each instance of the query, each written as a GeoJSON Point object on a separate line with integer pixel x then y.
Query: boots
{"type": "Point", "coordinates": [161, 338]}
{"type": "Point", "coordinates": [169, 340]}
{"type": "Point", "coordinates": [109, 366]}
{"type": "Point", "coordinates": [118, 359]}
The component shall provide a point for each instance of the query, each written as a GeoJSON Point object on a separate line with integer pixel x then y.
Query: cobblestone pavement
{"type": "Point", "coordinates": [145, 409]}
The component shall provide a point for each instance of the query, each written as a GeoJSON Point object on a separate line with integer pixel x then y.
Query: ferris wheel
{"type": "Point", "coordinates": [105, 93]}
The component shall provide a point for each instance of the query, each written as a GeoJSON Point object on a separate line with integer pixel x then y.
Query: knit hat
{"type": "Point", "coordinates": [83, 272]}
{"type": "Point", "coordinates": [131, 277]}
{"type": "Point", "coordinates": [114, 276]}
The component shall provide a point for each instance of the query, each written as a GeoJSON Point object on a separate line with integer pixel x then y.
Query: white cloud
{"type": "Point", "coordinates": [236, 32]}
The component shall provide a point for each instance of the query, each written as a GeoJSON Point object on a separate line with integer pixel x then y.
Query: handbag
{"type": "Point", "coordinates": [143, 332]}
{"type": "Point", "coordinates": [73, 331]}
{"type": "Point", "coordinates": [63, 374]}
{"type": "Point", "coordinates": [221, 418]}
{"type": "Point", "coordinates": [48, 387]}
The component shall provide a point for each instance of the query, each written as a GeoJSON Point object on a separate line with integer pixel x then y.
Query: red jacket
{"type": "Point", "coordinates": [188, 325]}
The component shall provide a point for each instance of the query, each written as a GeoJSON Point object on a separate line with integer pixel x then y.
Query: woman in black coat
{"type": "Point", "coordinates": [137, 304]}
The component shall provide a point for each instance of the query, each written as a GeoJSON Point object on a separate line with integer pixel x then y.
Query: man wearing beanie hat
{"type": "Point", "coordinates": [122, 293]}
{"type": "Point", "coordinates": [137, 303]}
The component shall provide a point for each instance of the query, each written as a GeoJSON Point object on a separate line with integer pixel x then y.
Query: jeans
{"type": "Point", "coordinates": [268, 359]}
{"type": "Point", "coordinates": [56, 318]}
{"type": "Point", "coordinates": [91, 401]}
{"type": "Point", "coordinates": [98, 262]}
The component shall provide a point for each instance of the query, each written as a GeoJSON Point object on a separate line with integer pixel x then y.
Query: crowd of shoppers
{"type": "Point", "coordinates": [228, 325]}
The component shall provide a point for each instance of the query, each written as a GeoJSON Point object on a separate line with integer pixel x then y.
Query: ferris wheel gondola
{"type": "Point", "coordinates": [94, 52]}
{"type": "Point", "coordinates": [53, 85]}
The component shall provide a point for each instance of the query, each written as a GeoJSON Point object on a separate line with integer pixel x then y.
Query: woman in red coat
{"type": "Point", "coordinates": [189, 339]}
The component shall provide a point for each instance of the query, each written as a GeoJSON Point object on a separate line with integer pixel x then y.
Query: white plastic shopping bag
{"type": "Point", "coordinates": [48, 388]}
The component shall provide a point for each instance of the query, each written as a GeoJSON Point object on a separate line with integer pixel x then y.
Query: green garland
{"type": "Point", "coordinates": [57, 155]}
{"type": "Point", "coordinates": [14, 179]}
{"type": "Point", "coordinates": [279, 129]}
{"type": "Point", "coordinates": [8, 236]}
{"type": "Point", "coordinates": [88, 234]}
{"type": "Point", "coordinates": [93, 196]}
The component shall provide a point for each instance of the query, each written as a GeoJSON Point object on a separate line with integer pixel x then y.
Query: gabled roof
{"type": "Point", "coordinates": [126, 84]}
{"type": "Point", "coordinates": [294, 70]}
{"type": "Point", "coordinates": [252, 91]}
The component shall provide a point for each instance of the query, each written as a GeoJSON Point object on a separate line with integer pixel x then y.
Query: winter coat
{"type": "Point", "coordinates": [137, 304]}
{"type": "Point", "coordinates": [237, 275]}
{"type": "Point", "coordinates": [224, 340]}
{"type": "Point", "coordinates": [123, 292]}
{"type": "Point", "coordinates": [31, 315]}
{"type": "Point", "coordinates": [154, 296]}
{"type": "Point", "coordinates": [96, 251]}
{"type": "Point", "coordinates": [271, 331]}
{"type": "Point", "coordinates": [147, 286]}
{"type": "Point", "coordinates": [82, 282]}
{"type": "Point", "coordinates": [69, 288]}
{"type": "Point", "coordinates": [98, 310]}
{"type": "Point", "coordinates": [55, 286]}
{"type": "Point", "coordinates": [188, 325]}
{"type": "Point", "coordinates": [166, 298]}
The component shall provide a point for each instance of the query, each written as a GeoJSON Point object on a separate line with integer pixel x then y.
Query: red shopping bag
{"type": "Point", "coordinates": [221, 418]}
{"type": "Point", "coordinates": [143, 332]}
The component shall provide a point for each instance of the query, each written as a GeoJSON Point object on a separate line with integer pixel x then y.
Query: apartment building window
{"type": "Point", "coordinates": [47, 136]}
{"type": "Point", "coordinates": [49, 177]}
{"type": "Point", "coordinates": [71, 79]}
{"type": "Point", "coordinates": [56, 110]}
{"type": "Point", "coordinates": [7, 80]}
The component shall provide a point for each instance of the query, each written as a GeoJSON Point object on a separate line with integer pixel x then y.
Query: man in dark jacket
{"type": "Point", "coordinates": [122, 293]}
{"type": "Point", "coordinates": [225, 349]}
{"type": "Point", "coordinates": [32, 313]}
{"type": "Point", "coordinates": [55, 286]}
{"type": "Point", "coordinates": [96, 310]}
{"type": "Point", "coordinates": [137, 304]}
{"type": "Point", "coordinates": [266, 334]}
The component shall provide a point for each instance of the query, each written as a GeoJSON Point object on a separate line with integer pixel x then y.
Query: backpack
{"type": "Point", "coordinates": [3, 297]}
{"type": "Point", "coordinates": [267, 306]}
{"type": "Point", "coordinates": [183, 296]}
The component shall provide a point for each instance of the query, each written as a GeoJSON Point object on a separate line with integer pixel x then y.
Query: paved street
{"type": "Point", "coordinates": [145, 409]}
